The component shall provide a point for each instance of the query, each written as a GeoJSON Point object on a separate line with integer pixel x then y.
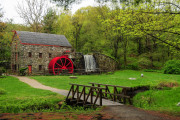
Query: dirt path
{"type": "Point", "coordinates": [126, 112]}
{"type": "Point", "coordinates": [35, 84]}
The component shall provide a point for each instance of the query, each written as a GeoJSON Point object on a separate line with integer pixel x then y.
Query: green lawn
{"type": "Point", "coordinates": [161, 100]}
{"type": "Point", "coordinates": [16, 96]}
{"type": "Point", "coordinates": [118, 78]}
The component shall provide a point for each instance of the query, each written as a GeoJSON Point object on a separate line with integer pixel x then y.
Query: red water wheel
{"type": "Point", "coordinates": [60, 64]}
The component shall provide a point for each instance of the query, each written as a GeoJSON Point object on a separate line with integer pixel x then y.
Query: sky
{"type": "Point", "coordinates": [10, 12]}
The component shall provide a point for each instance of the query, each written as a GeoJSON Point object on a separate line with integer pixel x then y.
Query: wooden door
{"type": "Point", "coordinates": [29, 69]}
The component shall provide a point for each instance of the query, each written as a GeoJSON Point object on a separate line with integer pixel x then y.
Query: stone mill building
{"type": "Point", "coordinates": [44, 53]}
{"type": "Point", "coordinates": [36, 51]}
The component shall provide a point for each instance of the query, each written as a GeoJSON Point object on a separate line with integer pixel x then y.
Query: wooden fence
{"type": "Point", "coordinates": [118, 95]}
{"type": "Point", "coordinates": [78, 94]}
{"type": "Point", "coordinates": [90, 94]}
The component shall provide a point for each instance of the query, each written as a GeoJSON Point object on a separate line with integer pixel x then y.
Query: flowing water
{"type": "Point", "coordinates": [90, 63]}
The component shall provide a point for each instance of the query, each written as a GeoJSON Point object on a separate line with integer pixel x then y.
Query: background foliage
{"type": "Point", "coordinates": [172, 67]}
{"type": "Point", "coordinates": [139, 34]}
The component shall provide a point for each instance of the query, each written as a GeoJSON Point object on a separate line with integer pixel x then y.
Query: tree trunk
{"type": "Point", "coordinates": [140, 46]}
{"type": "Point", "coordinates": [125, 52]}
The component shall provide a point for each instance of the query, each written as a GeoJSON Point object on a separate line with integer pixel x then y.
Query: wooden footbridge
{"type": "Point", "coordinates": [98, 94]}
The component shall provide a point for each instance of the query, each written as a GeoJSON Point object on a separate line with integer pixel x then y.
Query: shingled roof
{"type": "Point", "coordinates": [35, 38]}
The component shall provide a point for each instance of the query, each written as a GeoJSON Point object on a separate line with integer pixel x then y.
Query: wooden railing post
{"type": "Point", "coordinates": [114, 97]}
{"type": "Point", "coordinates": [84, 95]}
{"type": "Point", "coordinates": [124, 92]}
{"type": "Point", "coordinates": [72, 91]}
{"type": "Point", "coordinates": [92, 91]}
{"type": "Point", "coordinates": [100, 98]}
{"type": "Point", "coordinates": [77, 91]}
{"type": "Point", "coordinates": [88, 95]}
{"type": "Point", "coordinates": [106, 91]}
{"type": "Point", "coordinates": [69, 93]}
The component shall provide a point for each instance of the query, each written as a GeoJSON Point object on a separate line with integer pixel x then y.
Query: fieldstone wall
{"type": "Point", "coordinates": [35, 60]}
{"type": "Point", "coordinates": [105, 63]}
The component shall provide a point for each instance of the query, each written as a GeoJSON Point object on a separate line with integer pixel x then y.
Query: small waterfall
{"type": "Point", "coordinates": [90, 63]}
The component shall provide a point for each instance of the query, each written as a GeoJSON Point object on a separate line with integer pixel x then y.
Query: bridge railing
{"type": "Point", "coordinates": [86, 94]}
{"type": "Point", "coordinates": [115, 94]}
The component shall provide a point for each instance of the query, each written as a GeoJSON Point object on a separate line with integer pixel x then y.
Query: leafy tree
{"type": "Point", "coordinates": [139, 33]}
{"type": "Point", "coordinates": [66, 3]}
{"type": "Point", "coordinates": [2, 42]}
{"type": "Point", "coordinates": [49, 20]}
{"type": "Point", "coordinates": [63, 26]}
{"type": "Point", "coordinates": [6, 35]}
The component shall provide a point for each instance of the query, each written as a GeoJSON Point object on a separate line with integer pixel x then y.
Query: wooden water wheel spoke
{"type": "Point", "coordinates": [58, 68]}
{"type": "Point", "coordinates": [65, 62]}
{"type": "Point", "coordinates": [61, 62]}
{"type": "Point", "coordinates": [58, 64]}
{"type": "Point", "coordinates": [68, 64]}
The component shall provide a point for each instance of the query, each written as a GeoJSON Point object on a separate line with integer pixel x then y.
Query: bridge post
{"type": "Point", "coordinates": [77, 90]}
{"type": "Point", "coordinates": [106, 91]}
{"type": "Point", "coordinates": [114, 97]}
{"type": "Point", "coordinates": [72, 91]}
{"type": "Point", "coordinates": [92, 91]}
{"type": "Point", "coordinates": [84, 95]}
{"type": "Point", "coordinates": [100, 101]}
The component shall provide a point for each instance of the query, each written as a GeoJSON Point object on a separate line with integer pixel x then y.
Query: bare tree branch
{"type": "Point", "coordinates": [32, 11]}
{"type": "Point", "coordinates": [176, 33]}
{"type": "Point", "coordinates": [170, 3]}
{"type": "Point", "coordinates": [163, 41]}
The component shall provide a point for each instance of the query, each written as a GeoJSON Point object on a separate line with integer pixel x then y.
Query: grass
{"type": "Point", "coordinates": [118, 78]}
{"type": "Point", "coordinates": [161, 100]}
{"type": "Point", "coordinates": [16, 97]}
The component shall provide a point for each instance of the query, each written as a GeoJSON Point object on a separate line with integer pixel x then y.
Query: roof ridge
{"type": "Point", "coordinates": [39, 33]}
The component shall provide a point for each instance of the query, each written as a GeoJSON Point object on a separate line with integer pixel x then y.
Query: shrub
{"type": "Point", "coordinates": [132, 64]}
{"type": "Point", "coordinates": [2, 70]}
{"type": "Point", "coordinates": [23, 71]}
{"type": "Point", "coordinates": [2, 91]}
{"type": "Point", "coordinates": [150, 70]}
{"type": "Point", "coordinates": [168, 84]}
{"type": "Point", "coordinates": [172, 67]}
{"type": "Point", "coordinates": [132, 67]}
{"type": "Point", "coordinates": [144, 63]}
{"type": "Point", "coordinates": [157, 65]}
{"type": "Point", "coordinates": [29, 104]}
